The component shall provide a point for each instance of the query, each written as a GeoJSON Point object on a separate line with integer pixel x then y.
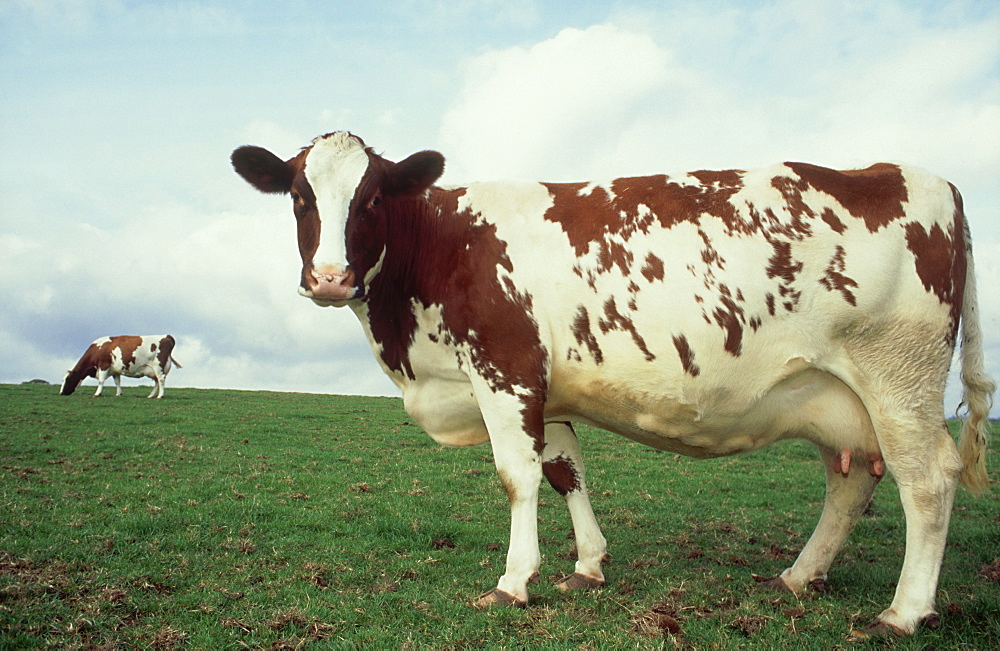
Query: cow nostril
{"type": "Point", "coordinates": [331, 275]}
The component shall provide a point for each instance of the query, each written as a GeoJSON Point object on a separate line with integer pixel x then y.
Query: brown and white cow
{"type": "Point", "coordinates": [705, 314]}
{"type": "Point", "coordinates": [129, 355]}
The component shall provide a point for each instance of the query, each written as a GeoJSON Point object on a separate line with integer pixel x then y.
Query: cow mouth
{"type": "Point", "coordinates": [328, 286]}
{"type": "Point", "coordinates": [324, 302]}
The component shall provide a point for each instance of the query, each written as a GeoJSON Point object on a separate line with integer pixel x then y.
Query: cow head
{"type": "Point", "coordinates": [343, 196]}
{"type": "Point", "coordinates": [73, 379]}
{"type": "Point", "coordinates": [69, 384]}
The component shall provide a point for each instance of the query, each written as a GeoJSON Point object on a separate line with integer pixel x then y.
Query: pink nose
{"type": "Point", "coordinates": [329, 283]}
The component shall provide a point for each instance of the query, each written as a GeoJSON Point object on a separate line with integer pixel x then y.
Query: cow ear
{"type": "Point", "coordinates": [414, 174]}
{"type": "Point", "coordinates": [263, 170]}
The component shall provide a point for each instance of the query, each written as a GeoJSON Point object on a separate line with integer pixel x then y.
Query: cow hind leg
{"type": "Point", "coordinates": [823, 409]}
{"type": "Point", "coordinates": [562, 465]}
{"type": "Point", "coordinates": [903, 369]}
{"type": "Point", "coordinates": [158, 386]}
{"type": "Point", "coordinates": [847, 496]}
{"type": "Point", "coordinates": [925, 464]}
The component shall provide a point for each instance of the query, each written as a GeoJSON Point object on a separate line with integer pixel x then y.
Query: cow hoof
{"type": "Point", "coordinates": [577, 581]}
{"type": "Point", "coordinates": [497, 597]}
{"type": "Point", "coordinates": [931, 621]}
{"type": "Point", "coordinates": [883, 629]}
{"type": "Point", "coordinates": [780, 585]}
{"type": "Point", "coordinates": [877, 629]}
{"type": "Point", "coordinates": [818, 585]}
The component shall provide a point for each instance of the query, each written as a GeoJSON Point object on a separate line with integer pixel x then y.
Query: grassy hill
{"type": "Point", "coordinates": [233, 519]}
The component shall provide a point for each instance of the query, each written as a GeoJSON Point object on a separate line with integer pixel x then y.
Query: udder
{"type": "Point", "coordinates": [817, 406]}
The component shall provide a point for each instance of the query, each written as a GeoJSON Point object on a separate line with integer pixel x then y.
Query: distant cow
{"type": "Point", "coordinates": [705, 314]}
{"type": "Point", "coordinates": [130, 355]}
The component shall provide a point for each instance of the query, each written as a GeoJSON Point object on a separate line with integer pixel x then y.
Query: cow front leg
{"type": "Point", "coordinates": [562, 464]}
{"type": "Point", "coordinates": [101, 377]}
{"type": "Point", "coordinates": [517, 436]}
{"type": "Point", "coordinates": [847, 497]}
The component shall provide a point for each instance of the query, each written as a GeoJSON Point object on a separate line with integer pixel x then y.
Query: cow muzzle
{"type": "Point", "coordinates": [328, 285]}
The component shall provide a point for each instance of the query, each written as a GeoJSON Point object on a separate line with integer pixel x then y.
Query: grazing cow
{"type": "Point", "coordinates": [134, 356]}
{"type": "Point", "coordinates": [705, 314]}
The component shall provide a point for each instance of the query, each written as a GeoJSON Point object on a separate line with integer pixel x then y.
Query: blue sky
{"type": "Point", "coordinates": [119, 212]}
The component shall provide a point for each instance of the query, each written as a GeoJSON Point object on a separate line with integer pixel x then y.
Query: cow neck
{"type": "Point", "coordinates": [420, 242]}
{"type": "Point", "coordinates": [438, 256]}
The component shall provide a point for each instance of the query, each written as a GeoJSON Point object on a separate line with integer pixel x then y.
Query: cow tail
{"type": "Point", "coordinates": [978, 387]}
{"type": "Point", "coordinates": [170, 355]}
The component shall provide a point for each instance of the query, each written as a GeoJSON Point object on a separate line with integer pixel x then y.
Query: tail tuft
{"type": "Point", "coordinates": [973, 440]}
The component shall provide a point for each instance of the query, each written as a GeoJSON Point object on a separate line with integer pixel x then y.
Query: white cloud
{"type": "Point", "coordinates": [925, 102]}
{"type": "Point", "coordinates": [523, 110]}
{"type": "Point", "coordinates": [611, 100]}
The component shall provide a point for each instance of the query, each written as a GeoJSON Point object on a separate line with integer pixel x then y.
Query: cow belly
{"type": "Point", "coordinates": [446, 410]}
{"type": "Point", "coordinates": [138, 371]}
{"type": "Point", "coordinates": [808, 403]}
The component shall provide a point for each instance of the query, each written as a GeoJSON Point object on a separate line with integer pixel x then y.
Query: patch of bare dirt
{"type": "Point", "coordinates": [991, 572]}
{"type": "Point", "coordinates": [317, 574]}
{"type": "Point", "coordinates": [312, 629]}
{"type": "Point", "coordinates": [658, 621]}
{"type": "Point", "coordinates": [749, 625]}
{"type": "Point", "coordinates": [168, 638]}
{"type": "Point", "coordinates": [662, 619]}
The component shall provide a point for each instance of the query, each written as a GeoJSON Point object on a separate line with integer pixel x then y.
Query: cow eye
{"type": "Point", "coordinates": [375, 202]}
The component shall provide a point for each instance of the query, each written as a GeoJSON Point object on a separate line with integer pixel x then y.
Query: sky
{"type": "Point", "coordinates": [120, 213]}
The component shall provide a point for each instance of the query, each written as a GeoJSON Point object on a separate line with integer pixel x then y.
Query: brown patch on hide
{"type": "Point", "coordinates": [561, 474]}
{"type": "Point", "coordinates": [833, 221]}
{"type": "Point", "coordinates": [782, 266]}
{"type": "Point", "coordinates": [686, 355]}
{"type": "Point", "coordinates": [615, 320]}
{"type": "Point", "coordinates": [653, 268]}
{"type": "Point", "coordinates": [940, 261]}
{"type": "Point", "coordinates": [584, 336]}
{"type": "Point", "coordinates": [875, 194]}
{"type": "Point", "coordinates": [609, 217]}
{"type": "Point", "coordinates": [835, 280]}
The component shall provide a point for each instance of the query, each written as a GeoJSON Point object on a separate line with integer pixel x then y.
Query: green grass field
{"type": "Point", "coordinates": [234, 519]}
